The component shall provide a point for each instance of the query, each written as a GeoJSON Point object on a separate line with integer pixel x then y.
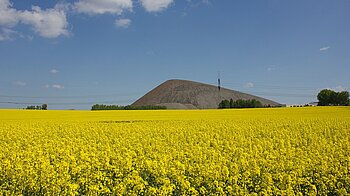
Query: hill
{"type": "Point", "coordinates": [184, 94]}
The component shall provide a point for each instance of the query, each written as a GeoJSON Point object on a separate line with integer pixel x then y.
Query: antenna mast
{"type": "Point", "coordinates": [219, 88]}
{"type": "Point", "coordinates": [219, 85]}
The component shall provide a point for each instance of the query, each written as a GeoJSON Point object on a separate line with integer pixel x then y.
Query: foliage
{"type": "Point", "coordinates": [224, 104]}
{"type": "Point", "coordinates": [128, 107]}
{"type": "Point", "coordinates": [44, 107]}
{"type": "Point", "coordinates": [327, 97]}
{"type": "Point", "coordinates": [278, 151]}
{"type": "Point", "coordinates": [240, 103]}
{"type": "Point", "coordinates": [38, 107]}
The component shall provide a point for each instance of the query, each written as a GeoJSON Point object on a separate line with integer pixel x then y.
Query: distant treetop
{"type": "Point", "coordinates": [327, 97]}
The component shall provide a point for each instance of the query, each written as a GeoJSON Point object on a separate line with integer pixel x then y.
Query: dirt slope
{"type": "Point", "coordinates": [183, 94]}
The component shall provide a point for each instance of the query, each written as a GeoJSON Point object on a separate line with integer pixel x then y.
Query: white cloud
{"type": "Point", "coordinates": [9, 16]}
{"type": "Point", "coordinates": [57, 86]}
{"type": "Point", "coordinates": [47, 23]}
{"type": "Point", "coordinates": [52, 22]}
{"type": "Point", "coordinates": [325, 48]}
{"type": "Point", "coordinates": [123, 23]}
{"type": "Point", "coordinates": [249, 85]}
{"type": "Point", "coordinates": [4, 4]}
{"type": "Point", "coordinates": [94, 7]}
{"type": "Point", "coordinates": [54, 71]}
{"type": "Point", "coordinates": [19, 83]}
{"type": "Point", "coordinates": [156, 5]}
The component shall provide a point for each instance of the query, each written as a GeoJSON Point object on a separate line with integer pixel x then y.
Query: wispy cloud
{"type": "Point", "coordinates": [325, 48]}
{"type": "Point", "coordinates": [271, 68]}
{"type": "Point", "coordinates": [248, 85]}
{"type": "Point", "coordinates": [196, 3]}
{"type": "Point", "coordinates": [123, 23]}
{"type": "Point", "coordinates": [55, 86]}
{"type": "Point", "coordinates": [54, 71]}
{"type": "Point", "coordinates": [156, 5]}
{"type": "Point", "coordinates": [93, 7]}
{"type": "Point", "coordinates": [19, 83]}
{"type": "Point", "coordinates": [340, 88]}
{"type": "Point", "coordinates": [7, 34]}
{"type": "Point", "coordinates": [337, 88]}
{"type": "Point", "coordinates": [206, 1]}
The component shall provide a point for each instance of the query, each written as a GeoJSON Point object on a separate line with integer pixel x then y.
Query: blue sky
{"type": "Point", "coordinates": [71, 54]}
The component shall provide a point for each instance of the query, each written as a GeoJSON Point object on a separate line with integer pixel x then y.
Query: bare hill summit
{"type": "Point", "coordinates": [183, 94]}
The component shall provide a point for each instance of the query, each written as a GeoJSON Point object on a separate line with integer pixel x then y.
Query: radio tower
{"type": "Point", "coordinates": [219, 88]}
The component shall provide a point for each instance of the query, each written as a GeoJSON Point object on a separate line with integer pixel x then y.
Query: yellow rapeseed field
{"type": "Point", "coordinates": [276, 151]}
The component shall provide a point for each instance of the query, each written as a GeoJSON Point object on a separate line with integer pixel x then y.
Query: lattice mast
{"type": "Point", "coordinates": [219, 89]}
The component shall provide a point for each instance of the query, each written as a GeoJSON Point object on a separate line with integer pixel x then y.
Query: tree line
{"type": "Point", "coordinates": [327, 97]}
{"type": "Point", "coordinates": [128, 107]}
{"type": "Point", "coordinates": [240, 103]}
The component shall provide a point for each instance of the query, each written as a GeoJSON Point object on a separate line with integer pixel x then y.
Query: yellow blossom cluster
{"type": "Point", "coordinates": [275, 151]}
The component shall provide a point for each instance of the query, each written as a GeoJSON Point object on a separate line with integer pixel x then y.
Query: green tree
{"type": "Point", "coordinates": [240, 103]}
{"type": "Point", "coordinates": [231, 103]}
{"type": "Point", "coordinates": [325, 97]}
{"type": "Point", "coordinates": [128, 107]}
{"type": "Point", "coordinates": [31, 107]}
{"type": "Point", "coordinates": [224, 104]}
{"type": "Point", "coordinates": [44, 106]}
{"type": "Point", "coordinates": [343, 98]}
{"type": "Point", "coordinates": [256, 103]}
{"type": "Point", "coordinates": [328, 97]}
